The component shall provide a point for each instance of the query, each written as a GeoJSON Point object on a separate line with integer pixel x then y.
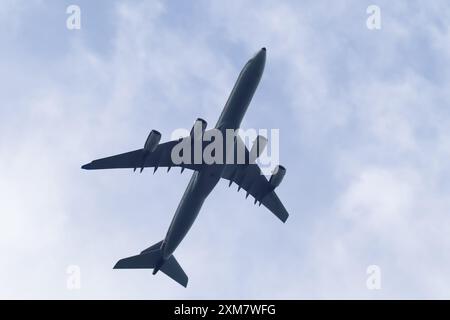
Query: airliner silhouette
{"type": "Point", "coordinates": [247, 175]}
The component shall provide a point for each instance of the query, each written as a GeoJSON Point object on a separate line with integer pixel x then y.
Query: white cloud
{"type": "Point", "coordinates": [378, 198]}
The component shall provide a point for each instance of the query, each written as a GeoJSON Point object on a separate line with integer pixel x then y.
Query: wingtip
{"type": "Point", "coordinates": [86, 166]}
{"type": "Point", "coordinates": [119, 264]}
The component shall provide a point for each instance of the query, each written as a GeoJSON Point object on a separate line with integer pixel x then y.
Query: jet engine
{"type": "Point", "coordinates": [277, 176]}
{"type": "Point", "coordinates": [198, 129]}
{"type": "Point", "coordinates": [258, 147]}
{"type": "Point", "coordinates": [152, 141]}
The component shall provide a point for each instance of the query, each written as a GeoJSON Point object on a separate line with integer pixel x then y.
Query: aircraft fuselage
{"type": "Point", "coordinates": [203, 182]}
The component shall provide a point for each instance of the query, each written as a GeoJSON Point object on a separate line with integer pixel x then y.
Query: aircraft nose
{"type": "Point", "coordinates": [256, 64]}
{"type": "Point", "coordinates": [260, 56]}
{"type": "Point", "coordinates": [262, 52]}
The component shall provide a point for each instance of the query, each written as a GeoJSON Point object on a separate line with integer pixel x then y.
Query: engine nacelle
{"type": "Point", "coordinates": [258, 147]}
{"type": "Point", "coordinates": [277, 176]}
{"type": "Point", "coordinates": [198, 129]}
{"type": "Point", "coordinates": [152, 141]}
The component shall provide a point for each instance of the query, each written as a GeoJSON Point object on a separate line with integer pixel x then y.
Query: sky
{"type": "Point", "coordinates": [364, 134]}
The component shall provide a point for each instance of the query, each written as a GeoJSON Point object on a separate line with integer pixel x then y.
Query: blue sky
{"type": "Point", "coordinates": [364, 135]}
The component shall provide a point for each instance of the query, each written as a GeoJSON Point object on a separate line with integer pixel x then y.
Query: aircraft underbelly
{"type": "Point", "coordinates": [200, 186]}
{"type": "Point", "coordinates": [240, 97]}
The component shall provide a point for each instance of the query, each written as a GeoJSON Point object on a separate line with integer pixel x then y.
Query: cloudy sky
{"type": "Point", "coordinates": [364, 134]}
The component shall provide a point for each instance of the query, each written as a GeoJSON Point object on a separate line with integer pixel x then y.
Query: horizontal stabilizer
{"type": "Point", "coordinates": [151, 258]}
{"type": "Point", "coordinates": [140, 261]}
{"type": "Point", "coordinates": [173, 269]}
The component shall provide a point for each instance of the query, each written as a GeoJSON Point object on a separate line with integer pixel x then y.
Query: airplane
{"type": "Point", "coordinates": [205, 177]}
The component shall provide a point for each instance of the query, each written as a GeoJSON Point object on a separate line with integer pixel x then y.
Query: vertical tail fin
{"type": "Point", "coordinates": [152, 258]}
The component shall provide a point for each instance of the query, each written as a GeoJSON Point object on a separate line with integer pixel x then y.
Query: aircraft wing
{"type": "Point", "coordinates": [250, 178]}
{"type": "Point", "coordinates": [160, 157]}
